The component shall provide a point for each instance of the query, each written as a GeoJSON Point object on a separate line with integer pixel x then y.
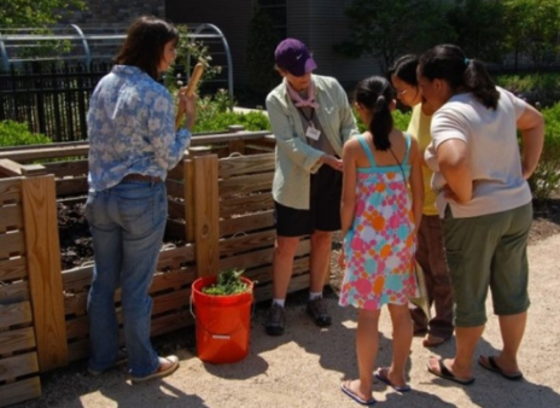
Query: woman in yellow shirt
{"type": "Point", "coordinates": [430, 253]}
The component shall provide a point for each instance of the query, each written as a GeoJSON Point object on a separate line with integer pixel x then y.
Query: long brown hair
{"type": "Point", "coordinates": [145, 42]}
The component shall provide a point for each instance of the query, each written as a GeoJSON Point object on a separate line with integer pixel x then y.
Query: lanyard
{"type": "Point", "coordinates": [310, 118]}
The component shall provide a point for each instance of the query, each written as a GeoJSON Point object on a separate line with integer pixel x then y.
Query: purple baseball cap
{"type": "Point", "coordinates": [293, 56]}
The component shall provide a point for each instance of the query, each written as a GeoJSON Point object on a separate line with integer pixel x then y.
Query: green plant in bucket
{"type": "Point", "coordinates": [228, 283]}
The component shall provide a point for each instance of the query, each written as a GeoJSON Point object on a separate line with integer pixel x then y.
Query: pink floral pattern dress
{"type": "Point", "coordinates": [381, 243]}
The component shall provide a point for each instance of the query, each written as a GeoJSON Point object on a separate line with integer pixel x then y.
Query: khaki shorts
{"type": "Point", "coordinates": [488, 251]}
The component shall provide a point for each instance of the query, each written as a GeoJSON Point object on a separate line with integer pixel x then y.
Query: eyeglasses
{"type": "Point", "coordinates": [401, 92]}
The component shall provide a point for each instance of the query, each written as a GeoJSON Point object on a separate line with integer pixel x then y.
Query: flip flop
{"type": "Point", "coordinates": [355, 397]}
{"type": "Point", "coordinates": [493, 366]}
{"type": "Point", "coordinates": [381, 375]}
{"type": "Point", "coordinates": [448, 375]}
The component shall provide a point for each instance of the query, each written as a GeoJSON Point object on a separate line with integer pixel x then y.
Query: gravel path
{"type": "Point", "coordinates": [304, 367]}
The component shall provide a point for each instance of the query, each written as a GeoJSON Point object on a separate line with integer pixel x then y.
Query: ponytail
{"type": "Point", "coordinates": [478, 81]}
{"type": "Point", "coordinates": [381, 124]}
{"type": "Point", "coordinates": [449, 63]}
{"type": "Point", "coordinates": [376, 94]}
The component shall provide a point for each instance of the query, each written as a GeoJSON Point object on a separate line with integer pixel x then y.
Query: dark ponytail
{"type": "Point", "coordinates": [376, 94]}
{"type": "Point", "coordinates": [448, 62]}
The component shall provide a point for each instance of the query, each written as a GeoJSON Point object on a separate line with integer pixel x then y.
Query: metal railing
{"type": "Point", "coordinates": [92, 44]}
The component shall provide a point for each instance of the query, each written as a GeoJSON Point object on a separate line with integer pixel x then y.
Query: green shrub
{"type": "Point", "coordinates": [17, 134]}
{"type": "Point", "coordinates": [537, 89]}
{"type": "Point", "coordinates": [400, 120]}
{"type": "Point", "coordinates": [219, 121]}
{"type": "Point", "coordinates": [546, 178]}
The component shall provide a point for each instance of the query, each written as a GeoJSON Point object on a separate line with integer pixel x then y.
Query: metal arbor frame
{"type": "Point", "coordinates": [95, 43]}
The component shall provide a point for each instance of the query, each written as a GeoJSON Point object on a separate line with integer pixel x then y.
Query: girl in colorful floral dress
{"type": "Point", "coordinates": [379, 222]}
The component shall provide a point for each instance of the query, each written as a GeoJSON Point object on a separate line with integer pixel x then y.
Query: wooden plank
{"type": "Point", "coordinates": [236, 146]}
{"type": "Point", "coordinates": [17, 340]}
{"type": "Point", "coordinates": [245, 205]}
{"type": "Point", "coordinates": [177, 300]}
{"type": "Point", "coordinates": [22, 364]}
{"type": "Point", "coordinates": [247, 242]}
{"type": "Point", "coordinates": [206, 214]}
{"type": "Point", "coordinates": [175, 209]}
{"type": "Point", "coordinates": [175, 188]}
{"type": "Point", "coordinates": [255, 258]}
{"type": "Point", "coordinates": [15, 314]}
{"type": "Point", "coordinates": [246, 184]}
{"type": "Point", "coordinates": [14, 292]}
{"type": "Point", "coordinates": [296, 283]}
{"type": "Point", "coordinates": [175, 229]}
{"type": "Point", "coordinates": [79, 349]}
{"type": "Point", "coordinates": [51, 151]}
{"type": "Point", "coordinates": [175, 257]}
{"type": "Point", "coordinates": [75, 303]}
{"type": "Point", "coordinates": [32, 169]}
{"type": "Point", "coordinates": [45, 280]}
{"type": "Point", "coordinates": [247, 223]}
{"type": "Point", "coordinates": [237, 166]}
{"type": "Point", "coordinates": [11, 269]}
{"type": "Point", "coordinates": [189, 200]}
{"type": "Point", "coordinates": [20, 391]}
{"type": "Point", "coordinates": [9, 168]}
{"type": "Point", "coordinates": [226, 137]}
{"type": "Point", "coordinates": [176, 173]}
{"type": "Point", "coordinates": [67, 168]}
{"type": "Point", "coordinates": [263, 275]}
{"type": "Point", "coordinates": [12, 244]}
{"type": "Point", "coordinates": [79, 278]}
{"type": "Point", "coordinates": [10, 191]}
{"type": "Point", "coordinates": [11, 218]}
{"type": "Point", "coordinates": [71, 186]}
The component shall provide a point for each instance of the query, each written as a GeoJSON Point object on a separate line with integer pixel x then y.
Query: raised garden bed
{"type": "Point", "coordinates": [220, 217]}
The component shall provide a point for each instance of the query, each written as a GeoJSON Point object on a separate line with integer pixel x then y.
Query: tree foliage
{"type": "Point", "coordinates": [533, 28]}
{"type": "Point", "coordinates": [262, 41]}
{"type": "Point", "coordinates": [33, 13]}
{"type": "Point", "coordinates": [485, 29]}
{"type": "Point", "coordinates": [385, 29]}
{"type": "Point", "coordinates": [479, 27]}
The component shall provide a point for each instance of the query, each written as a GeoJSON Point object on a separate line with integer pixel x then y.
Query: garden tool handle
{"type": "Point", "coordinates": [189, 90]}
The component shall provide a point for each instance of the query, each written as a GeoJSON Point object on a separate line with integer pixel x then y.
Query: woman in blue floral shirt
{"type": "Point", "coordinates": [133, 144]}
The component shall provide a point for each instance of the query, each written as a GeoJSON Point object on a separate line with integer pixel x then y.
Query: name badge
{"type": "Point", "coordinates": [313, 133]}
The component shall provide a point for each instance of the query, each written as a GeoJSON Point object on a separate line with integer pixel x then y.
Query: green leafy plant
{"type": "Point", "coordinates": [16, 134]}
{"type": "Point", "coordinates": [546, 178]}
{"type": "Point", "coordinates": [537, 89]}
{"type": "Point", "coordinates": [189, 53]}
{"type": "Point", "coordinates": [228, 283]}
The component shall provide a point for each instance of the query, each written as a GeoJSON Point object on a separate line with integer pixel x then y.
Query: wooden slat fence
{"type": "Point", "coordinates": [220, 217]}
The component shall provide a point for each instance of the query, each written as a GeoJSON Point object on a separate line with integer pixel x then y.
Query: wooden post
{"type": "Point", "coordinates": [188, 179]}
{"type": "Point", "coordinates": [206, 215]}
{"type": "Point", "coordinates": [43, 263]}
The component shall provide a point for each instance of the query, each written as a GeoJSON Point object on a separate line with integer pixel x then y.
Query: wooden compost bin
{"type": "Point", "coordinates": [220, 212]}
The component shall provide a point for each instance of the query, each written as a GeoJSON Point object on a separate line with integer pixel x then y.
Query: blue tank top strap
{"type": "Point", "coordinates": [407, 139]}
{"type": "Point", "coordinates": [366, 148]}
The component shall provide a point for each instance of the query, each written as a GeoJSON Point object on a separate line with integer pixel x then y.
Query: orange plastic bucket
{"type": "Point", "coordinates": [222, 323]}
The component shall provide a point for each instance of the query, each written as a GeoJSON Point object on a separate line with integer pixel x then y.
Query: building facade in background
{"type": "Point", "coordinates": [318, 23]}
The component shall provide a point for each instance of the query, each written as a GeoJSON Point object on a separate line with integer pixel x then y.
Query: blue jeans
{"type": "Point", "coordinates": [127, 223]}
